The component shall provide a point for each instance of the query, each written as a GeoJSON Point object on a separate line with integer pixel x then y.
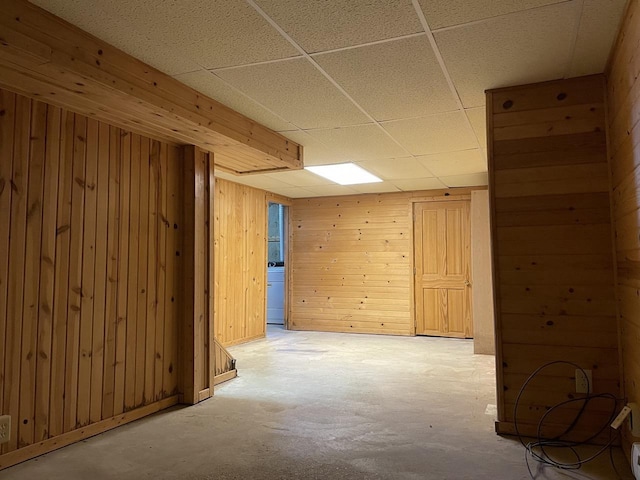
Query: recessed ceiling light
{"type": "Point", "coordinates": [344, 173]}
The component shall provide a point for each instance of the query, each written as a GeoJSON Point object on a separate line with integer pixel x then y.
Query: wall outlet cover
{"type": "Point", "coordinates": [635, 460]}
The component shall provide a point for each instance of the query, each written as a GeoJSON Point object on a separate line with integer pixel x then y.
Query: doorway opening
{"type": "Point", "coordinates": [276, 266]}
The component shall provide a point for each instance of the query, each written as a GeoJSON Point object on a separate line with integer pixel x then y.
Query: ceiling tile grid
{"type": "Point", "coordinates": [325, 25]}
{"type": "Point", "coordinates": [445, 132]}
{"type": "Point", "coordinates": [296, 91]}
{"type": "Point", "coordinates": [392, 80]}
{"type": "Point", "coordinates": [396, 86]}
{"type": "Point", "coordinates": [523, 47]}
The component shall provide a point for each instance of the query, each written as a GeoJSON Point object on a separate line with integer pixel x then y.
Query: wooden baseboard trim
{"type": "Point", "coordinates": [243, 340]}
{"type": "Point", "coordinates": [223, 377]}
{"type": "Point", "coordinates": [51, 444]}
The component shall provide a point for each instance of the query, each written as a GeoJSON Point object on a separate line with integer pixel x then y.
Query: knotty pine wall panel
{"type": "Point", "coordinates": [552, 247]}
{"type": "Point", "coordinates": [90, 246]}
{"type": "Point", "coordinates": [351, 264]}
{"type": "Point", "coordinates": [240, 230]}
{"type": "Point", "coordinates": [623, 91]}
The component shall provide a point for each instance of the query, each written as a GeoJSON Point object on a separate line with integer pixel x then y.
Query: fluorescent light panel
{"type": "Point", "coordinates": [344, 173]}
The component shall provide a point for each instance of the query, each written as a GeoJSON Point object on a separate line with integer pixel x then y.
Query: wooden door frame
{"type": "Point", "coordinates": [287, 202]}
{"type": "Point", "coordinates": [447, 196]}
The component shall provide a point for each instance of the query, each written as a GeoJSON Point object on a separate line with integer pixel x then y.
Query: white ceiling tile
{"type": "Point", "coordinates": [524, 47]}
{"type": "Point", "coordinates": [212, 86]}
{"type": "Point", "coordinates": [330, 190]}
{"type": "Point", "coordinates": [314, 151]}
{"type": "Point", "coordinates": [396, 168]}
{"type": "Point", "coordinates": [362, 142]}
{"type": "Point", "coordinates": [213, 33]}
{"type": "Point", "coordinates": [296, 91]}
{"type": "Point", "coordinates": [454, 12]}
{"type": "Point", "coordinates": [412, 184]}
{"type": "Point", "coordinates": [468, 180]}
{"type": "Point", "coordinates": [478, 118]}
{"type": "Point", "coordinates": [455, 163]}
{"type": "Point", "coordinates": [100, 19]}
{"type": "Point", "coordinates": [392, 80]}
{"type": "Point", "coordinates": [318, 26]}
{"type": "Point", "coordinates": [379, 187]}
{"type": "Point", "coordinates": [599, 24]}
{"type": "Point", "coordinates": [300, 178]}
{"type": "Point", "coordinates": [445, 132]}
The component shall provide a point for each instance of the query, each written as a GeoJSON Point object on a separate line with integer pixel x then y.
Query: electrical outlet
{"type": "Point", "coordinates": [5, 428]}
{"type": "Point", "coordinates": [584, 381]}
{"type": "Point", "coordinates": [635, 460]}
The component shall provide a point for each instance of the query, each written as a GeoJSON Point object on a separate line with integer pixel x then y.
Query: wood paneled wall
{"type": "Point", "coordinates": [240, 219]}
{"type": "Point", "coordinates": [351, 264]}
{"type": "Point", "coordinates": [623, 90]}
{"type": "Point", "coordinates": [552, 245]}
{"type": "Point", "coordinates": [89, 273]}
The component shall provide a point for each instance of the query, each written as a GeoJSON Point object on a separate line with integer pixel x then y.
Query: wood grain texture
{"type": "Point", "coordinates": [352, 262]}
{"type": "Point", "coordinates": [240, 244]}
{"type": "Point", "coordinates": [623, 96]}
{"type": "Point", "coordinates": [48, 58]}
{"type": "Point", "coordinates": [552, 244]}
{"type": "Point", "coordinates": [70, 287]}
{"type": "Point", "coordinates": [196, 351]}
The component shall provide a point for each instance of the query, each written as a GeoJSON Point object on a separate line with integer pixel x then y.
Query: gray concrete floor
{"type": "Point", "coordinates": [311, 405]}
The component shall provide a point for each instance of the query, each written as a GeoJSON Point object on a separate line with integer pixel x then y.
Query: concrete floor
{"type": "Point", "coordinates": [313, 405]}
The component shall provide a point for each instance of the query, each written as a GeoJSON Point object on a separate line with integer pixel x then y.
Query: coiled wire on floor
{"type": "Point", "coordinates": [538, 449]}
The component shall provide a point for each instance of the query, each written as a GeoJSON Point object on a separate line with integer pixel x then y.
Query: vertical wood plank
{"type": "Point", "coordinates": [143, 247]}
{"type": "Point", "coordinates": [61, 289]}
{"type": "Point", "coordinates": [152, 271]}
{"type": "Point", "coordinates": [211, 271]}
{"type": "Point", "coordinates": [200, 270]}
{"type": "Point", "coordinates": [161, 259]}
{"type": "Point", "coordinates": [111, 305]}
{"type": "Point", "coordinates": [19, 185]}
{"type": "Point", "coordinates": [47, 273]}
{"type": "Point", "coordinates": [172, 293]}
{"type": "Point", "coordinates": [122, 323]}
{"type": "Point", "coordinates": [187, 352]}
{"type": "Point", "coordinates": [7, 124]}
{"type": "Point", "coordinates": [88, 273]}
{"type": "Point", "coordinates": [133, 284]}
{"type": "Point", "coordinates": [75, 275]}
{"type": "Point", "coordinates": [100, 281]}
{"type": "Point", "coordinates": [37, 139]}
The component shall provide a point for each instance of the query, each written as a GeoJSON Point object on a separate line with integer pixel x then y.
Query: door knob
{"type": "Point", "coordinates": [467, 283]}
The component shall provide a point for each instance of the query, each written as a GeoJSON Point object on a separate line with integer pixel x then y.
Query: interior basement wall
{"type": "Point", "coordinates": [240, 226]}
{"type": "Point", "coordinates": [351, 262]}
{"type": "Point", "coordinates": [552, 250]}
{"type": "Point", "coordinates": [623, 96]}
{"type": "Point", "coordinates": [90, 293]}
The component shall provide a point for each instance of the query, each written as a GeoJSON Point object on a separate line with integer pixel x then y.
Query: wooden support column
{"type": "Point", "coordinates": [196, 334]}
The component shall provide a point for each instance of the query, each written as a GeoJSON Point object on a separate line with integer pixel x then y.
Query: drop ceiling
{"type": "Point", "coordinates": [396, 86]}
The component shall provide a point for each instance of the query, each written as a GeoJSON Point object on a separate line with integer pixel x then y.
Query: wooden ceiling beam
{"type": "Point", "coordinates": [45, 57]}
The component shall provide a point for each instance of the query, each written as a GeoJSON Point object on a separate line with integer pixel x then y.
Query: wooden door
{"type": "Point", "coordinates": [442, 240]}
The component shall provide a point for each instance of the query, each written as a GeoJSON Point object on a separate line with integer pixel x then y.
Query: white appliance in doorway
{"type": "Point", "coordinates": [275, 295]}
{"type": "Point", "coordinates": [275, 265]}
